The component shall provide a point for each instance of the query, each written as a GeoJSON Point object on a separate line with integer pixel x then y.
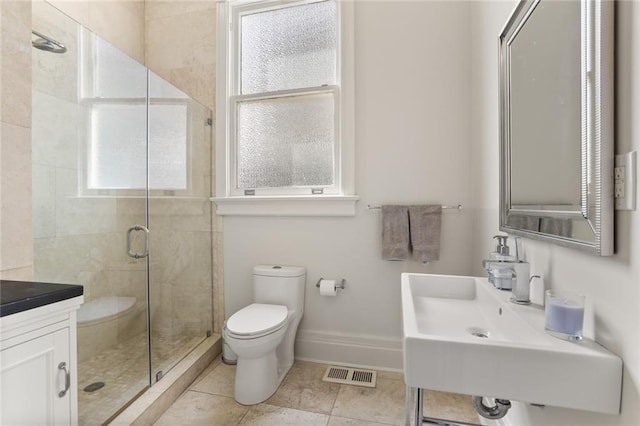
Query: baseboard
{"type": "Point", "coordinates": [352, 350]}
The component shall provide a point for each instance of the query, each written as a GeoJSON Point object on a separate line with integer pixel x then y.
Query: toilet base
{"type": "Point", "coordinates": [257, 379]}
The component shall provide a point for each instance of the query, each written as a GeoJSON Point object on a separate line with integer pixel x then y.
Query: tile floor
{"type": "Point", "coordinates": [304, 399]}
{"type": "Point", "coordinates": [124, 370]}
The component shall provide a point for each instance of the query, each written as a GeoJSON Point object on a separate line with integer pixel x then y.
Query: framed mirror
{"type": "Point", "coordinates": [556, 123]}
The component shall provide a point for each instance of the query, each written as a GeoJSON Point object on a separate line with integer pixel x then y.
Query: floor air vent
{"type": "Point", "coordinates": [350, 376]}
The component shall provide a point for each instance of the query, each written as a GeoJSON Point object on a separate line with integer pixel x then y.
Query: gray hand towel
{"type": "Point", "coordinates": [395, 232]}
{"type": "Point", "coordinates": [425, 223]}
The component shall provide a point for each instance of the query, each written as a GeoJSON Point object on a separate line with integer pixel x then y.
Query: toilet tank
{"type": "Point", "coordinates": [280, 285]}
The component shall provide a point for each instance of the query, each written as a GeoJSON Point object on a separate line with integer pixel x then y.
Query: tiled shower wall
{"type": "Point", "coordinates": [122, 23]}
{"type": "Point", "coordinates": [16, 228]}
{"type": "Point", "coordinates": [180, 46]}
{"type": "Point", "coordinates": [75, 238]}
{"type": "Point", "coordinates": [16, 247]}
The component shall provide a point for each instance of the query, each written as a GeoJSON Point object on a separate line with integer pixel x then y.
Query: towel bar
{"type": "Point", "coordinates": [458, 207]}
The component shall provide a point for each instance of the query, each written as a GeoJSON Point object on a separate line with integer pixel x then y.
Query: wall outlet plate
{"type": "Point", "coordinates": [624, 174]}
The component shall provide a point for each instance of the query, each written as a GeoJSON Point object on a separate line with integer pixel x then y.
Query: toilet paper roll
{"type": "Point", "coordinates": [328, 288]}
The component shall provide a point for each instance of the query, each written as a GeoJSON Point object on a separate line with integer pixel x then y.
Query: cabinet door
{"type": "Point", "coordinates": [32, 377]}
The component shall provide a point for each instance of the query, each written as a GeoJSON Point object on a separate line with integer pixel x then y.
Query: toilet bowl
{"type": "Point", "coordinates": [262, 334]}
{"type": "Point", "coordinates": [254, 336]}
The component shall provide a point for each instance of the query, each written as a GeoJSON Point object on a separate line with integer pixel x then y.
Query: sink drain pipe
{"type": "Point", "coordinates": [498, 411]}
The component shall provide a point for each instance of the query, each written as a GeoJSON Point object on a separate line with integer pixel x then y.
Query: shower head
{"type": "Point", "coordinates": [47, 44]}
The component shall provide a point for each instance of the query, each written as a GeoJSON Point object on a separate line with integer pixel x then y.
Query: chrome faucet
{"type": "Point", "coordinates": [495, 265]}
{"type": "Point", "coordinates": [511, 275]}
{"type": "Point", "coordinates": [521, 291]}
{"type": "Point", "coordinates": [501, 273]}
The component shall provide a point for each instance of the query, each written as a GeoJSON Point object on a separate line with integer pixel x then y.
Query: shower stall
{"type": "Point", "coordinates": [121, 189]}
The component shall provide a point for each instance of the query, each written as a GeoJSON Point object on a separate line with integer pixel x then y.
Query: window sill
{"type": "Point", "coordinates": [317, 205]}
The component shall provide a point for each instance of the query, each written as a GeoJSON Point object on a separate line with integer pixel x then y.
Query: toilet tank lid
{"type": "Point", "coordinates": [278, 271]}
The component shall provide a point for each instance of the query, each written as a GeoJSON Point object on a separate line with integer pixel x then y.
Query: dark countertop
{"type": "Point", "coordinates": [18, 296]}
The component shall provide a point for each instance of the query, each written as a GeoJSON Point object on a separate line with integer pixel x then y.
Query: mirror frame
{"type": "Point", "coordinates": [597, 105]}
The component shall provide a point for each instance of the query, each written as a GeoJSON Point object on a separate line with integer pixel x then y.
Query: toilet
{"type": "Point", "coordinates": [262, 334]}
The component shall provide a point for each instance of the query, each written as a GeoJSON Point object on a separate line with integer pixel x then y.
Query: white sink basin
{"type": "Point", "coordinates": [462, 335]}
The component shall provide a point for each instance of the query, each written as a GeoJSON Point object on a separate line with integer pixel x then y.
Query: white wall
{"type": "Point", "coordinates": [412, 78]}
{"type": "Point", "coordinates": [612, 284]}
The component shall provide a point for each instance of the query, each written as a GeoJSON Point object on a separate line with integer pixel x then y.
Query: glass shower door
{"type": "Point", "coordinates": [180, 223]}
{"type": "Point", "coordinates": [113, 93]}
{"type": "Point", "coordinates": [121, 187]}
{"type": "Point", "coordinates": [89, 190]}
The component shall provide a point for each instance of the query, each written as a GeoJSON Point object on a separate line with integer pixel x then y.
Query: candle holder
{"type": "Point", "coordinates": [564, 314]}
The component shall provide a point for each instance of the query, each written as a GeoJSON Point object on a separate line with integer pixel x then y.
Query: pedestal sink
{"type": "Point", "coordinates": [462, 335]}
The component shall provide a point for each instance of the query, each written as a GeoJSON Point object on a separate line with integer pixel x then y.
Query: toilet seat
{"type": "Point", "coordinates": [256, 320]}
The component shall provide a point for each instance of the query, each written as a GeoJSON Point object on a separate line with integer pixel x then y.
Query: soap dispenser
{"type": "Point", "coordinates": [500, 277]}
{"type": "Point", "coordinates": [502, 249]}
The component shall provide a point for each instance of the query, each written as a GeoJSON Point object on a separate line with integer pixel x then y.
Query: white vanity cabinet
{"type": "Point", "coordinates": [38, 367]}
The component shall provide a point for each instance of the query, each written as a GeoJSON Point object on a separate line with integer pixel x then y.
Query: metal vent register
{"type": "Point", "coordinates": [350, 376]}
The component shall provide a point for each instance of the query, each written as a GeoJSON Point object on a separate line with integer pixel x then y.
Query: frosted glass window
{"type": "Point", "coordinates": [286, 142]}
{"type": "Point", "coordinates": [289, 48]}
{"type": "Point", "coordinates": [116, 75]}
{"type": "Point", "coordinates": [168, 147]}
{"type": "Point", "coordinates": [118, 147]}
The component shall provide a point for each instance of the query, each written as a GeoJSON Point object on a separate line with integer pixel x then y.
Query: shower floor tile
{"type": "Point", "coordinates": [124, 370]}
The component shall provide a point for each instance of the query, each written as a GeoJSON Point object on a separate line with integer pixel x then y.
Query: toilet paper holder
{"type": "Point", "coordinates": [340, 286]}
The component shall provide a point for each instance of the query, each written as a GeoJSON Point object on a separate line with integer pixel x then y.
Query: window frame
{"type": "Point", "coordinates": [281, 201]}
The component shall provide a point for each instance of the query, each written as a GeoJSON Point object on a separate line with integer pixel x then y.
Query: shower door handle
{"type": "Point", "coordinates": [130, 252]}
